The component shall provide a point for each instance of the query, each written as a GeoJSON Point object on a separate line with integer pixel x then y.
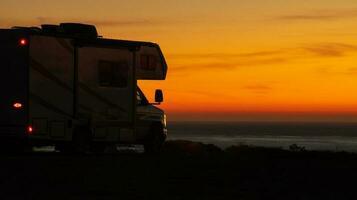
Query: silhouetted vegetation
{"type": "Point", "coordinates": [295, 147]}
{"type": "Point", "coordinates": [188, 148]}
{"type": "Point", "coordinates": [184, 170]}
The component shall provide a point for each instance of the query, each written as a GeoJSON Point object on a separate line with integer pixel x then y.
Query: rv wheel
{"type": "Point", "coordinates": [98, 148]}
{"type": "Point", "coordinates": [81, 140]}
{"type": "Point", "coordinates": [155, 141]}
{"type": "Point", "coordinates": [65, 148]}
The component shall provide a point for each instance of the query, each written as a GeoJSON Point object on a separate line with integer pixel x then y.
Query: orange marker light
{"type": "Point", "coordinates": [17, 105]}
{"type": "Point", "coordinates": [23, 42]}
{"type": "Point", "coordinates": [29, 130]}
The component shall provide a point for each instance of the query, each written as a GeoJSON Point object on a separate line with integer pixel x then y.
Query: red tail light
{"type": "Point", "coordinates": [29, 129]}
{"type": "Point", "coordinates": [23, 42]}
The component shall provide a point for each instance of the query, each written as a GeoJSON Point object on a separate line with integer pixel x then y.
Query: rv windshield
{"type": "Point", "coordinates": [140, 97]}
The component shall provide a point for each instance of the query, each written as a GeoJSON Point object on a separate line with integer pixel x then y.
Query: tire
{"type": "Point", "coordinates": [65, 148]}
{"type": "Point", "coordinates": [155, 141]}
{"type": "Point", "coordinates": [81, 140]}
{"type": "Point", "coordinates": [98, 148]}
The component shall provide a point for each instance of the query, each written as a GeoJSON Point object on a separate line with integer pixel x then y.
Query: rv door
{"type": "Point", "coordinates": [106, 87]}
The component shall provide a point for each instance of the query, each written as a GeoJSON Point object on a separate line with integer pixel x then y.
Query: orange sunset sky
{"type": "Point", "coordinates": [230, 59]}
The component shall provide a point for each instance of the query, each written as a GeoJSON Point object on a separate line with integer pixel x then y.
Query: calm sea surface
{"type": "Point", "coordinates": [313, 136]}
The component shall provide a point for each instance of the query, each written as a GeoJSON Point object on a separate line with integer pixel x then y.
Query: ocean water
{"type": "Point", "coordinates": [312, 136]}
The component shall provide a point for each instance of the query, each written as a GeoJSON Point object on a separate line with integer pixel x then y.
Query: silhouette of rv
{"type": "Point", "coordinates": [66, 86]}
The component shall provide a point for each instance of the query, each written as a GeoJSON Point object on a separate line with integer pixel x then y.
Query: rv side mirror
{"type": "Point", "coordinates": [159, 96]}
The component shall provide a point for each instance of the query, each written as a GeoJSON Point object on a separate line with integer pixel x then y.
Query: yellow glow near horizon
{"type": "Point", "coordinates": [230, 59]}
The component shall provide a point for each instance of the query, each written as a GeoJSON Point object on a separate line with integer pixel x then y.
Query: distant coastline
{"type": "Point", "coordinates": [312, 135]}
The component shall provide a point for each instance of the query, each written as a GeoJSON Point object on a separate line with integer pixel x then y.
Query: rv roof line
{"type": "Point", "coordinates": [70, 29]}
{"type": "Point", "coordinates": [31, 28]}
{"type": "Point", "coordinates": [84, 33]}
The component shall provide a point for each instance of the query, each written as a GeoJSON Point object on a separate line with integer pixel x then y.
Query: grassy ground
{"type": "Point", "coordinates": [184, 170]}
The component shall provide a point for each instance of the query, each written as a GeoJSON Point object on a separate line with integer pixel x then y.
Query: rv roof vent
{"type": "Point", "coordinates": [50, 28]}
{"type": "Point", "coordinates": [80, 30]}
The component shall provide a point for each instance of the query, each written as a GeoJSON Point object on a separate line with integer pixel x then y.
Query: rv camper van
{"type": "Point", "coordinates": [63, 85]}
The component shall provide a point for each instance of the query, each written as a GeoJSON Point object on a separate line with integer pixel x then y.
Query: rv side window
{"type": "Point", "coordinates": [140, 97]}
{"type": "Point", "coordinates": [113, 74]}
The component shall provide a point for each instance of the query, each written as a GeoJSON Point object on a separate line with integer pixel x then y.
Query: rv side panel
{"type": "Point", "coordinates": [51, 87]}
{"type": "Point", "coordinates": [106, 90]}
